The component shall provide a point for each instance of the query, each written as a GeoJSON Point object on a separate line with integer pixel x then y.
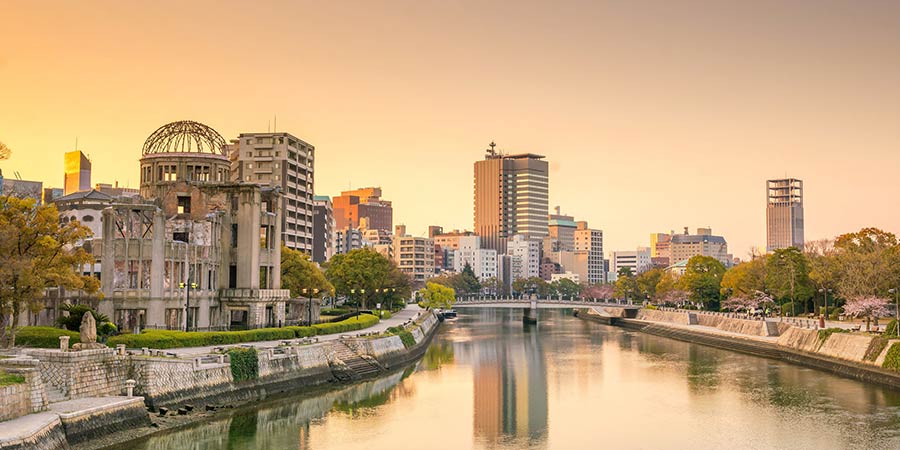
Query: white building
{"type": "Point", "coordinates": [525, 256]}
{"type": "Point", "coordinates": [638, 261]}
{"type": "Point", "coordinates": [565, 276]}
{"type": "Point", "coordinates": [589, 249]}
{"type": "Point", "coordinates": [482, 260]}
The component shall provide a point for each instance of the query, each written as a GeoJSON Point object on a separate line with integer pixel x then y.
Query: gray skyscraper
{"type": "Point", "coordinates": [784, 214]}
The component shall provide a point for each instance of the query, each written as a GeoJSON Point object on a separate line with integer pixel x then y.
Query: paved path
{"type": "Point", "coordinates": [411, 311]}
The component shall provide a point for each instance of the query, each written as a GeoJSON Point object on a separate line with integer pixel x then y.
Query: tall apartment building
{"type": "Point", "coordinates": [589, 245]}
{"type": "Point", "coordinates": [511, 198]}
{"type": "Point", "coordinates": [483, 261]}
{"type": "Point", "coordinates": [285, 161]}
{"type": "Point", "coordinates": [347, 239]}
{"type": "Point", "coordinates": [415, 257]}
{"type": "Point", "coordinates": [525, 257]}
{"type": "Point", "coordinates": [637, 260]}
{"type": "Point", "coordinates": [323, 229]}
{"type": "Point", "coordinates": [447, 243]}
{"type": "Point", "coordinates": [363, 207]}
{"type": "Point", "coordinates": [77, 173]}
{"type": "Point", "coordinates": [704, 243]}
{"type": "Point", "coordinates": [784, 214]}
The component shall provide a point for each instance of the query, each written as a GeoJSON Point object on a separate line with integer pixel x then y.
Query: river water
{"type": "Point", "coordinates": [490, 382]}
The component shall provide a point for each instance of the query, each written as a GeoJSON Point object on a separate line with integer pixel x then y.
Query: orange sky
{"type": "Point", "coordinates": [653, 114]}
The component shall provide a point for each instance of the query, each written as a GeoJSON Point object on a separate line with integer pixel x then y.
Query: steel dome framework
{"type": "Point", "coordinates": [184, 136]}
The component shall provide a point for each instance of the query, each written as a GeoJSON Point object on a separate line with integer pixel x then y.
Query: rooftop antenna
{"type": "Point", "coordinates": [275, 127]}
{"type": "Point", "coordinates": [269, 126]}
{"type": "Point", "coordinates": [491, 152]}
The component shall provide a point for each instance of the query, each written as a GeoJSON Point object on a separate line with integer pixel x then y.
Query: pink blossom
{"type": "Point", "coordinates": [869, 306]}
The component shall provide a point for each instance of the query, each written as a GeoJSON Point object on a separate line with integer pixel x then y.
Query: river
{"type": "Point", "coordinates": [490, 382]}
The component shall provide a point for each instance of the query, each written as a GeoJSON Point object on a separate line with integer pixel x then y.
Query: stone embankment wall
{"type": "Point", "coordinates": [847, 354]}
{"type": "Point", "coordinates": [49, 435]}
{"type": "Point", "coordinates": [23, 398]}
{"type": "Point", "coordinates": [84, 425]}
{"type": "Point", "coordinates": [84, 373]}
{"type": "Point", "coordinates": [171, 381]}
{"type": "Point", "coordinates": [680, 318]}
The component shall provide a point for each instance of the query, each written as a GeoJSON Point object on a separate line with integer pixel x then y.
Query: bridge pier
{"type": "Point", "coordinates": [529, 315]}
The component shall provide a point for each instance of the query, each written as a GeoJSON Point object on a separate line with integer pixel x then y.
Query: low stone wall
{"type": "Point", "coordinates": [681, 318]}
{"type": "Point", "coordinates": [84, 425]}
{"type": "Point", "coordinates": [85, 373]}
{"type": "Point", "coordinates": [15, 401]}
{"type": "Point", "coordinates": [851, 347]}
{"type": "Point", "coordinates": [48, 434]}
{"type": "Point", "coordinates": [25, 398]}
{"type": "Point", "coordinates": [799, 339]}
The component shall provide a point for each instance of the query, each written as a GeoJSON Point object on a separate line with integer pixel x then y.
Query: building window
{"type": "Point", "coordinates": [87, 218]}
{"type": "Point", "coordinates": [232, 276]}
{"type": "Point", "coordinates": [184, 204]}
{"type": "Point", "coordinates": [181, 236]}
{"type": "Point", "coordinates": [234, 235]}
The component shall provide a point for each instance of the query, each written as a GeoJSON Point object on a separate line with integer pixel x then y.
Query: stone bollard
{"type": "Point", "coordinates": [64, 343]}
{"type": "Point", "coordinates": [129, 387]}
{"type": "Point", "coordinates": [221, 359]}
{"type": "Point", "coordinates": [120, 349]}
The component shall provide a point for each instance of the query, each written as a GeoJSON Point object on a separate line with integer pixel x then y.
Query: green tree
{"type": "Point", "coordinates": [5, 152]}
{"type": "Point", "coordinates": [299, 273]}
{"type": "Point", "coordinates": [667, 283]}
{"type": "Point", "coordinates": [702, 280]}
{"type": "Point", "coordinates": [472, 286]}
{"type": "Point", "coordinates": [37, 252]}
{"type": "Point", "coordinates": [648, 281]}
{"type": "Point", "coordinates": [491, 286]}
{"type": "Point", "coordinates": [787, 277]}
{"type": "Point", "coordinates": [869, 263]}
{"type": "Point", "coordinates": [536, 285]}
{"type": "Point", "coordinates": [566, 288]}
{"type": "Point", "coordinates": [745, 279]}
{"type": "Point", "coordinates": [437, 296]}
{"type": "Point", "coordinates": [626, 285]}
{"type": "Point", "coordinates": [363, 271]}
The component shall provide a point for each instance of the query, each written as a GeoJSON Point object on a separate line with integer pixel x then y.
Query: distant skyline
{"type": "Point", "coordinates": [653, 115]}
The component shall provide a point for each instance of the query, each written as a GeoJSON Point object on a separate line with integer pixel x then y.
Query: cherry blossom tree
{"type": "Point", "coordinates": [747, 302]}
{"type": "Point", "coordinates": [866, 306]}
{"type": "Point", "coordinates": [675, 296]}
{"type": "Point", "coordinates": [597, 292]}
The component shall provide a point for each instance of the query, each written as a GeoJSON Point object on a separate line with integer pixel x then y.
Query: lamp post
{"type": "Point", "coordinates": [315, 291]}
{"type": "Point", "coordinates": [897, 292]}
{"type": "Point", "coordinates": [822, 317]}
{"type": "Point", "coordinates": [187, 302]}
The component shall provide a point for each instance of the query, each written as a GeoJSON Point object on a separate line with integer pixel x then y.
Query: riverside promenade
{"type": "Point", "coordinates": [410, 313]}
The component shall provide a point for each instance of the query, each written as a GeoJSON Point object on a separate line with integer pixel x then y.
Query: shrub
{"type": "Point", "coordinates": [385, 314]}
{"type": "Point", "coordinates": [651, 307]}
{"type": "Point", "coordinates": [876, 346]}
{"type": "Point", "coordinates": [244, 363]}
{"type": "Point", "coordinates": [44, 337]}
{"type": "Point", "coordinates": [163, 339]}
{"type": "Point", "coordinates": [107, 329]}
{"type": "Point", "coordinates": [892, 359]}
{"type": "Point", "coordinates": [836, 313]}
{"type": "Point", "coordinates": [407, 338]}
{"type": "Point", "coordinates": [334, 311]}
{"type": "Point", "coordinates": [787, 309]}
{"type": "Point", "coordinates": [827, 332]}
{"type": "Point", "coordinates": [351, 324]}
{"type": "Point", "coordinates": [72, 322]}
{"type": "Point", "coordinates": [891, 329]}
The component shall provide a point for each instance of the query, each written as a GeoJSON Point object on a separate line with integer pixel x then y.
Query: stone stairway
{"type": "Point", "coordinates": [54, 395]}
{"type": "Point", "coordinates": [358, 366]}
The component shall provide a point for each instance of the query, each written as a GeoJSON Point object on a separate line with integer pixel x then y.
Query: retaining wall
{"type": "Point", "coordinates": [681, 318]}
{"type": "Point", "coordinates": [84, 373]}
{"type": "Point", "coordinates": [24, 398]}
{"type": "Point", "coordinates": [47, 434]}
{"type": "Point", "coordinates": [85, 425]}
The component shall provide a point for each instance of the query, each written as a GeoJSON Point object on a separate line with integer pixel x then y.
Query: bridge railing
{"type": "Point", "coordinates": [544, 300]}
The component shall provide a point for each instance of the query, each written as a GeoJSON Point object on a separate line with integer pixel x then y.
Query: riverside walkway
{"type": "Point", "coordinates": [411, 312]}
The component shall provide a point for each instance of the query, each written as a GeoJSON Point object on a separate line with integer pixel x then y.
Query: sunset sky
{"type": "Point", "coordinates": [654, 115]}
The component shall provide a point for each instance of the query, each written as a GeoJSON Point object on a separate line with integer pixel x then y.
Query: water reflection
{"type": "Point", "coordinates": [490, 382]}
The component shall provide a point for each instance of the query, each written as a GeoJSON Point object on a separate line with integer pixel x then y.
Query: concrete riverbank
{"type": "Point", "coordinates": [858, 356]}
{"type": "Point", "coordinates": [76, 398]}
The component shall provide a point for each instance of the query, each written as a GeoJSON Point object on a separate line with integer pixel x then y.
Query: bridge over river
{"type": "Point", "coordinates": [613, 308]}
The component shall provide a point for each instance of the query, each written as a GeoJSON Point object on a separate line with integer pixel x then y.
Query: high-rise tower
{"type": "Point", "coordinates": [784, 214]}
{"type": "Point", "coordinates": [511, 197]}
{"type": "Point", "coordinates": [78, 173]}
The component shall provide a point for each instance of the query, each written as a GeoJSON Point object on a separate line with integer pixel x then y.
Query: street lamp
{"type": "Point", "coordinates": [822, 318]}
{"type": "Point", "coordinates": [315, 291]}
{"type": "Point", "coordinates": [187, 302]}
{"type": "Point", "coordinates": [896, 291]}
